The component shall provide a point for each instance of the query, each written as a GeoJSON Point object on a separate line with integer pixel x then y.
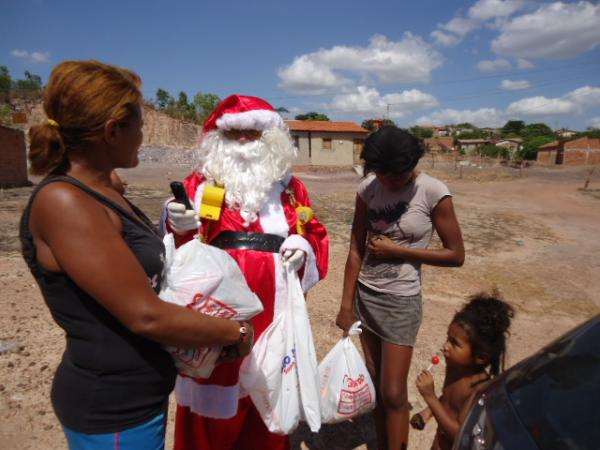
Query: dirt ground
{"type": "Point", "coordinates": [533, 235]}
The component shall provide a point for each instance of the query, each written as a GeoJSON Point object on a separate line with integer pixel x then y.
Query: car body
{"type": "Point", "coordinates": [550, 400]}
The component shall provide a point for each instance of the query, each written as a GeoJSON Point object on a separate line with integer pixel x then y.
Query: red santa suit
{"type": "Point", "coordinates": [213, 413]}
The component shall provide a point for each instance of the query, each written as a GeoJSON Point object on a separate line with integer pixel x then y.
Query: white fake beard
{"type": "Point", "coordinates": [247, 171]}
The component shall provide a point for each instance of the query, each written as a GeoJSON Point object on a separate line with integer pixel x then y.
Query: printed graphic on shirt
{"type": "Point", "coordinates": [381, 219]}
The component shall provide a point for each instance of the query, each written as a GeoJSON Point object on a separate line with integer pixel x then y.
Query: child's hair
{"type": "Point", "coordinates": [485, 319]}
{"type": "Point", "coordinates": [391, 150]}
{"type": "Point", "coordinates": [78, 100]}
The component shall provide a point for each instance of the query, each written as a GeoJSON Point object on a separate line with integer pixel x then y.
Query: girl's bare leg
{"type": "Point", "coordinates": [371, 345]}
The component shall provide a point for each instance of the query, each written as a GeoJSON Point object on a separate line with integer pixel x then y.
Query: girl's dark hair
{"type": "Point", "coordinates": [391, 150]}
{"type": "Point", "coordinates": [485, 319]}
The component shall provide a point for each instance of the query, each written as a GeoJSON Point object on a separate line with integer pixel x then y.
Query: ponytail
{"type": "Point", "coordinates": [46, 150]}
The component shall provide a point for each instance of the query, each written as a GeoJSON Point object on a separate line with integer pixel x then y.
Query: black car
{"type": "Point", "coordinates": [550, 400]}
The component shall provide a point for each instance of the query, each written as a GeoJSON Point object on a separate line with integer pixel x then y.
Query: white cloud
{"type": "Point", "coordinates": [586, 96]}
{"type": "Point", "coordinates": [445, 39]}
{"type": "Point", "coordinates": [555, 30]}
{"type": "Point", "coordinates": [453, 31]}
{"type": "Point", "coordinates": [594, 122]}
{"type": "Point", "coordinates": [34, 57]}
{"type": "Point", "coordinates": [369, 102]}
{"type": "Point", "coordinates": [516, 85]}
{"type": "Point", "coordinates": [542, 106]}
{"type": "Point", "coordinates": [410, 60]}
{"type": "Point", "coordinates": [484, 117]}
{"type": "Point", "coordinates": [494, 65]}
{"type": "Point", "coordinates": [524, 64]}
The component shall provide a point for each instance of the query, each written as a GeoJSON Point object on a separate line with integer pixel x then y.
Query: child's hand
{"type": "Point", "coordinates": [417, 422]}
{"type": "Point", "coordinates": [425, 384]}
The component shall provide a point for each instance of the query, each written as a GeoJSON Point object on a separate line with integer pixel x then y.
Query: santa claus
{"type": "Point", "coordinates": [265, 221]}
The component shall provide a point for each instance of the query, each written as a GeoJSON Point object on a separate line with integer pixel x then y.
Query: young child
{"type": "Point", "coordinates": [474, 353]}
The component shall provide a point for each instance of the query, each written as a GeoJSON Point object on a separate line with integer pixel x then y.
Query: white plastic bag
{"type": "Point", "coordinates": [281, 374]}
{"type": "Point", "coordinates": [206, 279]}
{"type": "Point", "coordinates": [346, 386]}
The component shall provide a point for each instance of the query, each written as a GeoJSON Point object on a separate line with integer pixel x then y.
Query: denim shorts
{"type": "Point", "coordinates": [148, 436]}
{"type": "Point", "coordinates": [394, 318]}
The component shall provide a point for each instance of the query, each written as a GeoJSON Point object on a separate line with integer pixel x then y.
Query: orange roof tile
{"type": "Point", "coordinates": [327, 127]}
{"type": "Point", "coordinates": [549, 145]}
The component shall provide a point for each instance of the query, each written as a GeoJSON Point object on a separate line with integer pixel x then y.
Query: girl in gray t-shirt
{"type": "Point", "coordinates": [397, 210]}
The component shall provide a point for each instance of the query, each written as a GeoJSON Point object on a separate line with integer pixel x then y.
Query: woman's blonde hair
{"type": "Point", "coordinates": [78, 100]}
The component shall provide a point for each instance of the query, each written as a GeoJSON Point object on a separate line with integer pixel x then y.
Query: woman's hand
{"type": "Point", "coordinates": [345, 319]}
{"type": "Point", "coordinates": [241, 348]}
{"type": "Point", "coordinates": [383, 247]}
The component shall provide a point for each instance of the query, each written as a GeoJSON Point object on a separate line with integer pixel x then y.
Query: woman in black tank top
{"type": "Point", "coordinates": [98, 261]}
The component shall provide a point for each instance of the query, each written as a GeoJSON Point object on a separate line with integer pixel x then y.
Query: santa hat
{"type": "Point", "coordinates": [242, 112]}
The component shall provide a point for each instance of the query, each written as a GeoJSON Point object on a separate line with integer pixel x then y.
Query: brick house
{"type": "Point", "coordinates": [471, 146]}
{"type": "Point", "coordinates": [551, 153]}
{"type": "Point", "coordinates": [582, 152]}
{"type": "Point", "coordinates": [579, 152]}
{"type": "Point", "coordinates": [13, 158]}
{"type": "Point", "coordinates": [443, 144]}
{"type": "Point", "coordinates": [324, 143]}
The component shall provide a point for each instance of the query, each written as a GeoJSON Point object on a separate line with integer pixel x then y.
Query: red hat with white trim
{"type": "Point", "coordinates": [242, 112]}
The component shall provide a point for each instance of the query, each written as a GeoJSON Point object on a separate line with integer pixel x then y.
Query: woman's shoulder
{"type": "Point", "coordinates": [367, 182]}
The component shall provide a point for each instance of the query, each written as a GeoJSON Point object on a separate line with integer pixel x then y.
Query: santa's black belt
{"type": "Point", "coordinates": [240, 240]}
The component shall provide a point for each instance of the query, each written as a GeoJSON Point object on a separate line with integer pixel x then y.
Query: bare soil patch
{"type": "Point", "coordinates": [534, 237]}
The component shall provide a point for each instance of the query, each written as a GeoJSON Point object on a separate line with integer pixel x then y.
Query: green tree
{"type": "Point", "coordinates": [372, 124]}
{"type": "Point", "coordinates": [162, 99]}
{"type": "Point", "coordinates": [536, 129]}
{"type": "Point", "coordinates": [29, 87]}
{"type": "Point", "coordinates": [205, 104]}
{"type": "Point", "coordinates": [513, 127]}
{"type": "Point", "coordinates": [531, 145]}
{"type": "Point", "coordinates": [421, 132]}
{"type": "Point", "coordinates": [592, 133]}
{"type": "Point", "coordinates": [474, 134]}
{"type": "Point", "coordinates": [493, 151]}
{"type": "Point", "coordinates": [282, 110]}
{"type": "Point", "coordinates": [313, 116]}
{"type": "Point", "coordinates": [5, 84]}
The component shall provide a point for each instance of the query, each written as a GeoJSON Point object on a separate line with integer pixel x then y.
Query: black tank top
{"type": "Point", "coordinates": [109, 379]}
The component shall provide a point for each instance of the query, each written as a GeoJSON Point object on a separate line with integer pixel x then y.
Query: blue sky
{"type": "Point", "coordinates": [423, 62]}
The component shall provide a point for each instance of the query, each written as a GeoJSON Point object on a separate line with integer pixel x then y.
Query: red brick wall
{"type": "Point", "coordinates": [546, 157]}
{"type": "Point", "coordinates": [575, 157]}
{"type": "Point", "coordinates": [594, 157]}
{"type": "Point", "coordinates": [13, 162]}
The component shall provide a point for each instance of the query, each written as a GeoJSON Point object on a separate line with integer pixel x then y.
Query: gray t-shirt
{"type": "Point", "coordinates": [405, 217]}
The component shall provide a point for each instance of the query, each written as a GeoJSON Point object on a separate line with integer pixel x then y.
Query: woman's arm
{"type": "Point", "coordinates": [446, 225]}
{"type": "Point", "coordinates": [346, 316]}
{"type": "Point", "coordinates": [86, 245]}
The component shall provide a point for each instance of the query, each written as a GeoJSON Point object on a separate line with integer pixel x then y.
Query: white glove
{"type": "Point", "coordinates": [294, 258]}
{"type": "Point", "coordinates": [181, 220]}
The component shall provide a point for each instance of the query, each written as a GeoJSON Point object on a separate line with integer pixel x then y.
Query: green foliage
{"type": "Point", "coordinates": [493, 151]}
{"type": "Point", "coordinates": [531, 145]}
{"type": "Point", "coordinates": [205, 104]}
{"type": "Point", "coordinates": [420, 132]}
{"type": "Point", "coordinates": [513, 127]}
{"type": "Point", "coordinates": [282, 110]}
{"type": "Point", "coordinates": [475, 134]}
{"type": "Point", "coordinates": [536, 129]}
{"type": "Point", "coordinates": [162, 99]}
{"type": "Point", "coordinates": [313, 116]}
{"type": "Point", "coordinates": [5, 114]}
{"type": "Point", "coordinates": [371, 124]}
{"type": "Point", "coordinates": [592, 133]}
{"type": "Point", "coordinates": [464, 125]}
{"type": "Point", "coordinates": [5, 83]}
{"type": "Point", "coordinates": [31, 84]}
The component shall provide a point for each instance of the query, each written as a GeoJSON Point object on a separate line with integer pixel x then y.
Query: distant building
{"type": "Point", "coordinates": [13, 158]}
{"type": "Point", "coordinates": [565, 133]}
{"type": "Point", "coordinates": [471, 146]}
{"type": "Point", "coordinates": [324, 143]}
{"type": "Point", "coordinates": [579, 152]}
{"type": "Point", "coordinates": [444, 144]}
{"type": "Point", "coordinates": [512, 144]}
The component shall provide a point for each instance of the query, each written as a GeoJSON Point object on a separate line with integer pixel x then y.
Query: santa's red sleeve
{"type": "Point", "coordinates": [314, 241]}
